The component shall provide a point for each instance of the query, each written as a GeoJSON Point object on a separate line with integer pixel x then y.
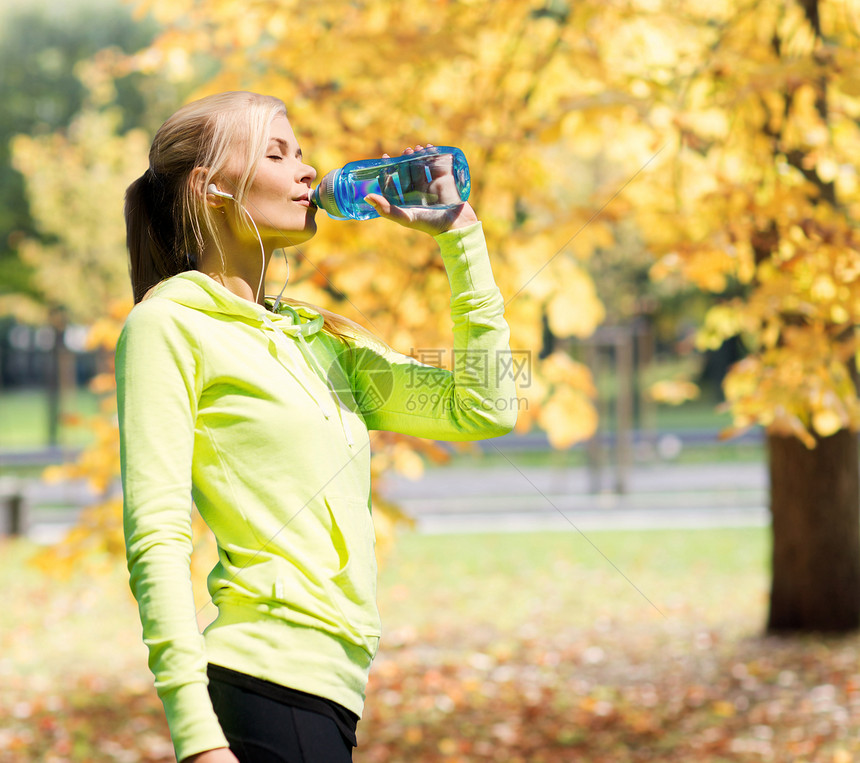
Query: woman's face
{"type": "Point", "coordinates": [278, 199]}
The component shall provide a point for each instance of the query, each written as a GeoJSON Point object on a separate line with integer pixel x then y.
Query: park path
{"type": "Point", "coordinates": [509, 496]}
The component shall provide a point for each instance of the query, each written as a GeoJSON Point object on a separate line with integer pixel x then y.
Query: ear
{"type": "Point", "coordinates": [199, 180]}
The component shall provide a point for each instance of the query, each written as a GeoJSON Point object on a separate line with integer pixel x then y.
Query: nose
{"type": "Point", "coordinates": [308, 173]}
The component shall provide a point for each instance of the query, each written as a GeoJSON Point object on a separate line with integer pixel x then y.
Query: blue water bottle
{"type": "Point", "coordinates": [436, 177]}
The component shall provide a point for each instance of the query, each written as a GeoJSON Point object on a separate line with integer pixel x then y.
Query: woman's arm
{"type": "Point", "coordinates": [478, 399]}
{"type": "Point", "coordinates": [158, 370]}
{"type": "Point", "coordinates": [475, 401]}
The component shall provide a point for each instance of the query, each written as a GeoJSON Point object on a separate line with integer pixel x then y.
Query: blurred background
{"type": "Point", "coordinates": [662, 561]}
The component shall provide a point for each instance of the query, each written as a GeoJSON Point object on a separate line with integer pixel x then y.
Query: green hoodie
{"type": "Point", "coordinates": [263, 419]}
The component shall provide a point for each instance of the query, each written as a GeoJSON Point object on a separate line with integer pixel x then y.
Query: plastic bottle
{"type": "Point", "coordinates": [436, 177]}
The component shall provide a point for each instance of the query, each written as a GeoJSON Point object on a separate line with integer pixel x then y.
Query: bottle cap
{"type": "Point", "coordinates": [324, 196]}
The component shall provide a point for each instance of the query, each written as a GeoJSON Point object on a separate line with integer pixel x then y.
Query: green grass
{"type": "Point", "coordinates": [462, 585]}
{"type": "Point", "coordinates": [570, 580]}
{"type": "Point", "coordinates": [695, 453]}
{"type": "Point", "coordinates": [24, 418]}
{"type": "Point", "coordinates": [694, 414]}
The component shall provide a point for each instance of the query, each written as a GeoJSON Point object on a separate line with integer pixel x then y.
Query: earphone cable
{"type": "Point", "coordinates": [262, 251]}
{"type": "Point", "coordinates": [283, 288]}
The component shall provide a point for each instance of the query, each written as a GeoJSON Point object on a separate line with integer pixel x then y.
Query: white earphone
{"type": "Point", "coordinates": [213, 189]}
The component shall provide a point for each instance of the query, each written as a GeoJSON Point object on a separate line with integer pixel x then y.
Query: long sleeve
{"type": "Point", "coordinates": [477, 399]}
{"type": "Point", "coordinates": [157, 393]}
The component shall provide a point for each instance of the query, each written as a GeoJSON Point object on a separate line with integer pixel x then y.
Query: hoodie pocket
{"type": "Point", "coordinates": [354, 581]}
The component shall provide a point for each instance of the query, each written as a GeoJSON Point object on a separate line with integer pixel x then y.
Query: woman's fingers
{"type": "Point", "coordinates": [413, 149]}
{"type": "Point", "coordinates": [386, 208]}
{"type": "Point", "coordinates": [430, 221]}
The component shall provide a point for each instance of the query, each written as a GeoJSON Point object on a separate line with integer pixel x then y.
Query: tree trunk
{"type": "Point", "coordinates": [815, 507]}
{"type": "Point", "coordinates": [61, 376]}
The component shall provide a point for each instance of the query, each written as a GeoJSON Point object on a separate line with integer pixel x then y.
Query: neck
{"type": "Point", "coordinates": [241, 269]}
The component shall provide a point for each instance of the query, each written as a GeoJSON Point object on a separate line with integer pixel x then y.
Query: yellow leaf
{"type": "Point", "coordinates": [724, 709]}
{"type": "Point", "coordinates": [826, 422]}
{"type": "Point", "coordinates": [448, 746]}
{"type": "Point", "coordinates": [407, 461]}
{"type": "Point", "coordinates": [827, 169]}
{"type": "Point", "coordinates": [102, 383]}
{"type": "Point", "coordinates": [707, 268]}
{"type": "Point", "coordinates": [560, 368]}
{"type": "Point", "coordinates": [733, 431]}
{"type": "Point", "coordinates": [413, 735]}
{"type": "Point", "coordinates": [823, 289]}
{"type": "Point", "coordinates": [568, 417]}
{"type": "Point", "coordinates": [788, 425]}
{"type": "Point", "coordinates": [673, 392]}
{"type": "Point", "coordinates": [54, 474]}
{"type": "Point", "coordinates": [721, 322]}
{"type": "Point", "coordinates": [575, 310]}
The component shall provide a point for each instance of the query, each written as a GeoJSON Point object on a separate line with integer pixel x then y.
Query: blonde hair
{"type": "Point", "coordinates": [168, 221]}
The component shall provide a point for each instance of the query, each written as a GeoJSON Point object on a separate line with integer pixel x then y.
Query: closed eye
{"type": "Point", "coordinates": [275, 156]}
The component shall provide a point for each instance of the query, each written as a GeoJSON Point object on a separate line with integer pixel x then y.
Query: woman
{"type": "Point", "coordinates": [260, 410]}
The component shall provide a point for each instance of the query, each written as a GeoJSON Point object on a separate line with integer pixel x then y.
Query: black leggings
{"type": "Point", "coordinates": [263, 730]}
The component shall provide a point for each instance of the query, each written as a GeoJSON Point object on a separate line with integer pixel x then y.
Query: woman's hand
{"type": "Point", "coordinates": [441, 187]}
{"type": "Point", "coordinates": [218, 755]}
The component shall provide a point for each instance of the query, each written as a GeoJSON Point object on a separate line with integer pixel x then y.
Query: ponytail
{"type": "Point", "coordinates": [155, 253]}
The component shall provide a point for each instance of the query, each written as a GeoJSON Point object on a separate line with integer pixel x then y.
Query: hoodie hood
{"type": "Point", "coordinates": [200, 292]}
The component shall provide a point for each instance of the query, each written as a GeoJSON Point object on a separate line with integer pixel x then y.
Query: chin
{"type": "Point", "coordinates": [306, 234]}
{"type": "Point", "coordinates": [296, 237]}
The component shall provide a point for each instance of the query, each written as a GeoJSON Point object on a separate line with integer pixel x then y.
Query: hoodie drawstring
{"type": "Point", "coordinates": [312, 361]}
{"type": "Point", "coordinates": [323, 404]}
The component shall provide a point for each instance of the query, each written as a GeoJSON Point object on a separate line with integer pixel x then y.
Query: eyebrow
{"type": "Point", "coordinates": [284, 146]}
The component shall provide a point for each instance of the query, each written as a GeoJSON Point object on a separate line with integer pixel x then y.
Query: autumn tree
{"type": "Point", "coordinates": [494, 78]}
{"type": "Point", "coordinates": [56, 264]}
{"type": "Point", "coordinates": [42, 46]}
{"type": "Point", "coordinates": [75, 179]}
{"type": "Point", "coordinates": [728, 131]}
{"type": "Point", "coordinates": [75, 185]}
{"type": "Point", "coordinates": [756, 200]}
